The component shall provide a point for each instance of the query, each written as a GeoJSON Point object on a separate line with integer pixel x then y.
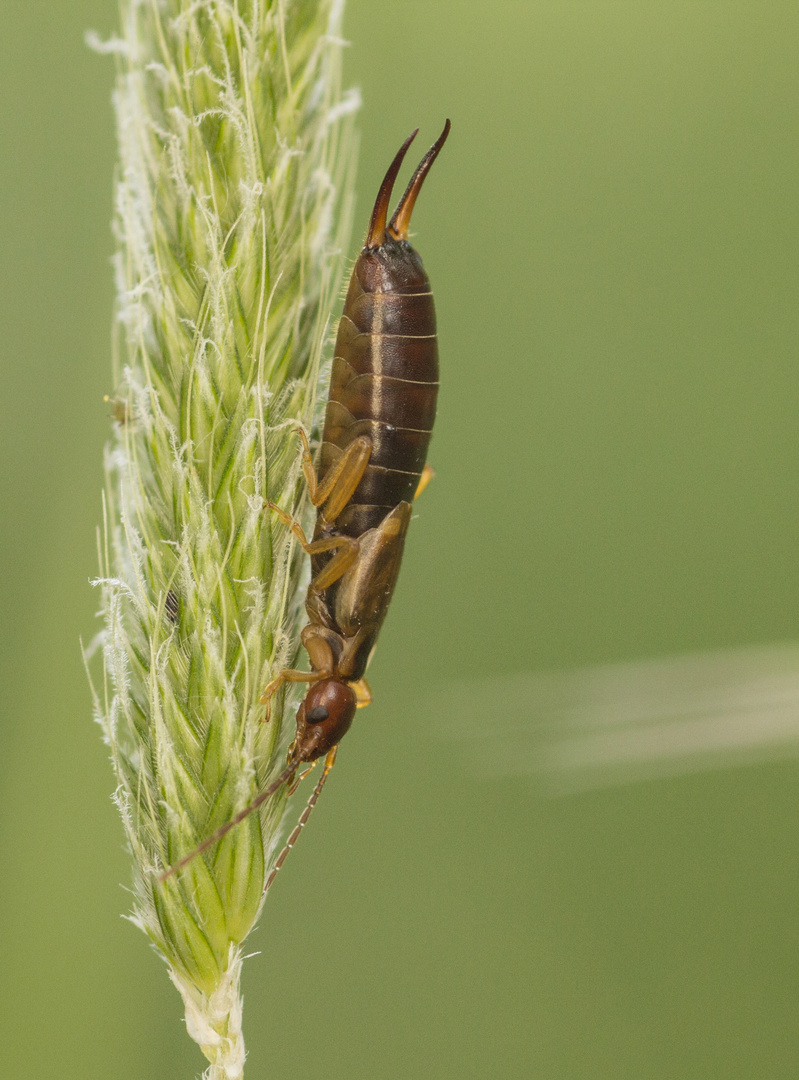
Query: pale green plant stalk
{"type": "Point", "coordinates": [234, 139]}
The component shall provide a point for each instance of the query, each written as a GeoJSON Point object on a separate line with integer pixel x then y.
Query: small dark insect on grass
{"type": "Point", "coordinates": [380, 413]}
{"type": "Point", "coordinates": [172, 606]}
{"type": "Point", "coordinates": [120, 410]}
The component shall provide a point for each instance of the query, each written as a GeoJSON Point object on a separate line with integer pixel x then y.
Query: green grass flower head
{"type": "Point", "coordinates": [235, 141]}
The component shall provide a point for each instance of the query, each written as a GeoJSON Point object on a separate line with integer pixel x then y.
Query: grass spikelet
{"type": "Point", "coordinates": [234, 141]}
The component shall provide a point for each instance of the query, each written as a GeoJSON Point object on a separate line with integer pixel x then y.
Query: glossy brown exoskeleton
{"type": "Point", "coordinates": [380, 412]}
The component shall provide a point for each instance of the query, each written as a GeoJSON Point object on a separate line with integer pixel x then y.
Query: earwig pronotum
{"type": "Point", "coordinates": [380, 412]}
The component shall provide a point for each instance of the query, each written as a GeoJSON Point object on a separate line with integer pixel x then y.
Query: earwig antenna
{"type": "Point", "coordinates": [400, 223]}
{"type": "Point", "coordinates": [225, 829]}
{"type": "Point", "coordinates": [295, 832]}
{"type": "Point", "coordinates": [377, 225]}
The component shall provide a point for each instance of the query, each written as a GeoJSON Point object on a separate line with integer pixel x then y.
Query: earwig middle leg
{"type": "Point", "coordinates": [345, 547]}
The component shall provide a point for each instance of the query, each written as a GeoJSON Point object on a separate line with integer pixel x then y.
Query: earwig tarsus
{"type": "Point", "coordinates": [380, 412]}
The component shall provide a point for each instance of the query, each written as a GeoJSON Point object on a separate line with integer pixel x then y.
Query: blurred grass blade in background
{"type": "Point", "coordinates": [235, 142]}
{"type": "Point", "coordinates": [608, 724]}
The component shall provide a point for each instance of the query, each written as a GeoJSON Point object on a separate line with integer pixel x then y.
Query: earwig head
{"type": "Point", "coordinates": [398, 228]}
{"type": "Point", "coordinates": [323, 719]}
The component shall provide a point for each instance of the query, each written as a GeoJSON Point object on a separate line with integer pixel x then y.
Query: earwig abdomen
{"type": "Point", "coordinates": [384, 381]}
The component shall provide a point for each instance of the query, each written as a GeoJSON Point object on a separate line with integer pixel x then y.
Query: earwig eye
{"type": "Point", "coordinates": [317, 715]}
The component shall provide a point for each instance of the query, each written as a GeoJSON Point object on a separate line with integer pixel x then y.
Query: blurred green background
{"type": "Point", "coordinates": [611, 234]}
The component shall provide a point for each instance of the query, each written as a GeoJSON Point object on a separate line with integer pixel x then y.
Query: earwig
{"type": "Point", "coordinates": [380, 412]}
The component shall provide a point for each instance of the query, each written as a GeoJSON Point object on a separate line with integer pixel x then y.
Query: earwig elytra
{"type": "Point", "coordinates": [380, 412]}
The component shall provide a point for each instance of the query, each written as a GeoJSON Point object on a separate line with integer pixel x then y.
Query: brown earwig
{"type": "Point", "coordinates": [380, 412]}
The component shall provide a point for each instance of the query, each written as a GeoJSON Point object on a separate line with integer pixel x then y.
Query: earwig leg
{"type": "Point", "coordinates": [295, 832]}
{"type": "Point", "coordinates": [286, 675]}
{"type": "Point", "coordinates": [346, 553]}
{"type": "Point", "coordinates": [427, 475]}
{"type": "Point", "coordinates": [287, 519]}
{"type": "Point", "coordinates": [363, 693]}
{"type": "Point", "coordinates": [341, 479]}
{"type": "Point", "coordinates": [308, 468]}
{"type": "Point", "coordinates": [300, 778]}
{"type": "Point", "coordinates": [346, 548]}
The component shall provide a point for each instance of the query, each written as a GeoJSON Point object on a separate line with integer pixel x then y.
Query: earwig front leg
{"type": "Point", "coordinates": [286, 675]}
{"type": "Point", "coordinates": [300, 778]}
{"type": "Point", "coordinates": [341, 479]}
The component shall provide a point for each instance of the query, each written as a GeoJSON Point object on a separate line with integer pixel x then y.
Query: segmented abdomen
{"type": "Point", "coordinates": [384, 384]}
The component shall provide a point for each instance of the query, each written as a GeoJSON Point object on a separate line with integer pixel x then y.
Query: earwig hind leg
{"type": "Point", "coordinates": [295, 832]}
{"type": "Point", "coordinates": [363, 693]}
{"type": "Point", "coordinates": [287, 519]}
{"type": "Point", "coordinates": [428, 472]}
{"type": "Point", "coordinates": [308, 469]}
{"type": "Point", "coordinates": [340, 480]}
